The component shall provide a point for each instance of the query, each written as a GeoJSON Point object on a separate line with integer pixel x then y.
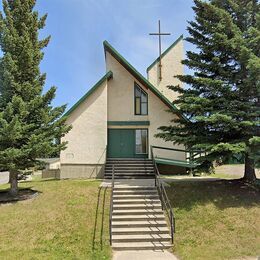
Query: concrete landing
{"type": "Point", "coordinates": [128, 182]}
{"type": "Point", "coordinates": [143, 255]}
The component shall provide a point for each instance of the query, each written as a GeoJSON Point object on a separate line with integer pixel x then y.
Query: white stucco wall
{"type": "Point", "coordinates": [171, 66]}
{"type": "Point", "coordinates": [88, 138]}
{"type": "Point", "coordinates": [121, 105]}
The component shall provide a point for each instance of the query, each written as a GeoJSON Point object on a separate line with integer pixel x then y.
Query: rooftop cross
{"type": "Point", "coordinates": [160, 48]}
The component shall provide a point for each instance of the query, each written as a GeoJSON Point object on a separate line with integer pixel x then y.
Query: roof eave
{"type": "Point", "coordinates": [140, 77]}
{"type": "Point", "coordinates": [107, 76]}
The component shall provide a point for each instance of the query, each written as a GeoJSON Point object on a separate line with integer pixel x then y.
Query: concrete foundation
{"type": "Point", "coordinates": [84, 171]}
{"type": "Point", "coordinates": [51, 173]}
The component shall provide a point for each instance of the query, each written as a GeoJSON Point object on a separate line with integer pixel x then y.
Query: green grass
{"type": "Point", "coordinates": [216, 220]}
{"type": "Point", "coordinates": [223, 175]}
{"type": "Point", "coordinates": [58, 224]}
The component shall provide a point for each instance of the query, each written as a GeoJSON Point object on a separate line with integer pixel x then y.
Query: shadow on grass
{"type": "Point", "coordinates": [40, 180]}
{"type": "Point", "coordinates": [23, 194]}
{"type": "Point", "coordinates": [223, 194]}
{"type": "Point", "coordinates": [98, 240]}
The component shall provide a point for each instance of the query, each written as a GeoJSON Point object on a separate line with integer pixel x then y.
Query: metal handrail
{"type": "Point", "coordinates": [191, 159]}
{"type": "Point", "coordinates": [177, 150]}
{"type": "Point", "coordinates": [166, 205]}
{"type": "Point", "coordinates": [111, 204]}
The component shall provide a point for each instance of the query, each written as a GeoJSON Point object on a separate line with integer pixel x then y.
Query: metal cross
{"type": "Point", "coordinates": [160, 48]}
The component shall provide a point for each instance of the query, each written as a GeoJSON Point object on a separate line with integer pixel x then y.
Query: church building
{"type": "Point", "coordinates": [120, 115]}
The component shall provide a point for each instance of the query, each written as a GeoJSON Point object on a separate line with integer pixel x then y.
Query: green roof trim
{"type": "Point", "coordinates": [108, 76]}
{"type": "Point", "coordinates": [122, 123]}
{"type": "Point", "coordinates": [140, 77]}
{"type": "Point", "coordinates": [165, 52]}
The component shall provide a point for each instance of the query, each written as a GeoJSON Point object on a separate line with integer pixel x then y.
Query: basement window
{"type": "Point", "coordinates": [141, 101]}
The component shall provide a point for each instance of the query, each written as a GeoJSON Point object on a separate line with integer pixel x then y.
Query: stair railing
{"type": "Point", "coordinates": [166, 205]}
{"type": "Point", "coordinates": [111, 204]}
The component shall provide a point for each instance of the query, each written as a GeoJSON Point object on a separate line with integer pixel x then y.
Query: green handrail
{"type": "Point", "coordinates": [111, 204]}
{"type": "Point", "coordinates": [177, 150]}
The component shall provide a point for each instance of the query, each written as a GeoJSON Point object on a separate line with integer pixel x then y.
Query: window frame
{"type": "Point", "coordinates": [147, 141]}
{"type": "Point", "coordinates": [136, 86]}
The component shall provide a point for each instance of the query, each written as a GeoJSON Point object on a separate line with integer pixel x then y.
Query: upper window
{"type": "Point", "coordinates": [141, 101]}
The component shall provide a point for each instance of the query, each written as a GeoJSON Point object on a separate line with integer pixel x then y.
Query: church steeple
{"type": "Point", "coordinates": [161, 73]}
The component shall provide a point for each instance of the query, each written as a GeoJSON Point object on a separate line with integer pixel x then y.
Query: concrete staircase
{"type": "Point", "coordinates": [129, 168]}
{"type": "Point", "coordinates": [138, 222]}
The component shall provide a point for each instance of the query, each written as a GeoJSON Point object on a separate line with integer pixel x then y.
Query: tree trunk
{"type": "Point", "coordinates": [13, 179]}
{"type": "Point", "coordinates": [249, 174]}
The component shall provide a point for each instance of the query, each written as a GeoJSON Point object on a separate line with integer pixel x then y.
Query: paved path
{"type": "Point", "coordinates": [143, 255]}
{"type": "Point", "coordinates": [4, 177]}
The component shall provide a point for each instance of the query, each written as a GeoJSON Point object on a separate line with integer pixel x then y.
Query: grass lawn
{"type": "Point", "coordinates": [61, 223]}
{"type": "Point", "coordinates": [216, 220]}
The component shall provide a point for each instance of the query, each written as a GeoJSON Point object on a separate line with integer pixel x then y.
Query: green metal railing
{"type": "Point", "coordinates": [189, 162]}
{"type": "Point", "coordinates": [166, 205]}
{"type": "Point", "coordinates": [111, 204]}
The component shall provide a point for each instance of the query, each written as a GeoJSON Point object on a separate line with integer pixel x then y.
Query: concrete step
{"type": "Point", "coordinates": [136, 201]}
{"type": "Point", "coordinates": [129, 171]}
{"type": "Point", "coordinates": [119, 187]}
{"type": "Point", "coordinates": [122, 175]}
{"type": "Point", "coordinates": [135, 196]}
{"type": "Point", "coordinates": [140, 223]}
{"type": "Point", "coordinates": [138, 217]}
{"type": "Point", "coordinates": [130, 166]}
{"type": "Point", "coordinates": [141, 238]}
{"type": "Point", "coordinates": [141, 246]}
{"type": "Point", "coordinates": [129, 177]}
{"type": "Point", "coordinates": [137, 206]}
{"type": "Point", "coordinates": [132, 174]}
{"type": "Point", "coordinates": [128, 160]}
{"type": "Point", "coordinates": [137, 211]}
{"type": "Point", "coordinates": [107, 169]}
{"type": "Point", "coordinates": [115, 162]}
{"type": "Point", "coordinates": [130, 191]}
{"type": "Point", "coordinates": [140, 230]}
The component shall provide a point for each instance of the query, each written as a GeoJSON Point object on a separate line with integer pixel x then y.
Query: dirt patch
{"type": "Point", "coordinates": [234, 170]}
{"type": "Point", "coordinates": [23, 194]}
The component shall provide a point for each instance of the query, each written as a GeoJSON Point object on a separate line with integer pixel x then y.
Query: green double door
{"type": "Point", "coordinates": [122, 144]}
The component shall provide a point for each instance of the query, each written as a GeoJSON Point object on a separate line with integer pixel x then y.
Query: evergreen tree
{"type": "Point", "coordinates": [29, 126]}
{"type": "Point", "coordinates": [222, 101]}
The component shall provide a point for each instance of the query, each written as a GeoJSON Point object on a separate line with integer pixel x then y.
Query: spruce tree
{"type": "Point", "coordinates": [222, 98]}
{"type": "Point", "coordinates": [30, 127]}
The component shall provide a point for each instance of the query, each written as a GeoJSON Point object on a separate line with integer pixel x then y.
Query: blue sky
{"type": "Point", "coordinates": [74, 59]}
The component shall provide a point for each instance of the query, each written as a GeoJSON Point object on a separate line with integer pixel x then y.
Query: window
{"type": "Point", "coordinates": [141, 101]}
{"type": "Point", "coordinates": [141, 141]}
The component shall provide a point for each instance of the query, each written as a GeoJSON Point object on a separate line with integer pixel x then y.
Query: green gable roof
{"type": "Point", "coordinates": [140, 77]}
{"type": "Point", "coordinates": [108, 76]}
{"type": "Point", "coordinates": [165, 52]}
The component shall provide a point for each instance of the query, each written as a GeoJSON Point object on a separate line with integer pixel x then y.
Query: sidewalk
{"type": "Point", "coordinates": [143, 255]}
